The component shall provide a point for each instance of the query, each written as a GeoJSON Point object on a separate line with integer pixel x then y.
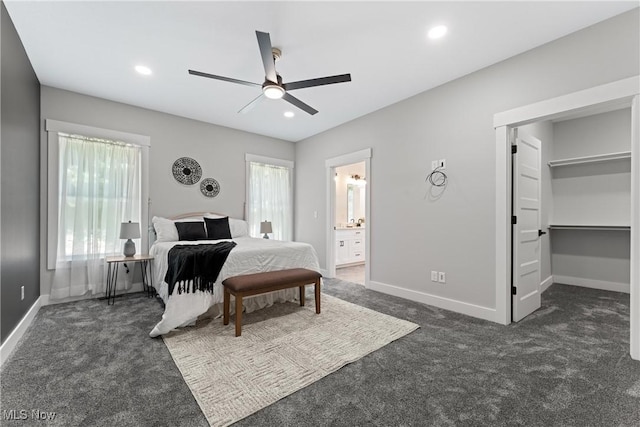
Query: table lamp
{"type": "Point", "coordinates": [265, 227]}
{"type": "Point", "coordinates": [129, 230]}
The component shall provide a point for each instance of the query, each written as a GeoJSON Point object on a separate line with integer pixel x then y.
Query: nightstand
{"type": "Point", "coordinates": [113, 262]}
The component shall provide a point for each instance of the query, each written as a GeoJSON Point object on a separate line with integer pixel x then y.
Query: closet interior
{"type": "Point", "coordinates": [588, 162]}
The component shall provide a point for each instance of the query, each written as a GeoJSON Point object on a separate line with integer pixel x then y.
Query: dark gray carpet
{"type": "Point", "coordinates": [567, 364]}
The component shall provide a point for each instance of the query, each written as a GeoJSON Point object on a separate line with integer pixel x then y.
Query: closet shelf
{"type": "Point", "coordinates": [590, 159]}
{"type": "Point", "coordinates": [590, 227]}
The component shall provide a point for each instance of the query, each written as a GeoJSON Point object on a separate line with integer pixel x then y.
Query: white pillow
{"type": "Point", "coordinates": [166, 230]}
{"type": "Point", "coordinates": [238, 227]}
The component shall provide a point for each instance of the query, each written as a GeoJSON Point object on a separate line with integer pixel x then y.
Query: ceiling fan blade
{"type": "Point", "coordinates": [342, 78]}
{"type": "Point", "coordinates": [264, 43]}
{"type": "Point", "coordinates": [252, 104]}
{"type": "Point", "coordinates": [301, 105]}
{"type": "Point", "coordinates": [226, 79]}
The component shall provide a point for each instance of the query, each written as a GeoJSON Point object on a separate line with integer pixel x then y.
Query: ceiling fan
{"type": "Point", "coordinates": [273, 87]}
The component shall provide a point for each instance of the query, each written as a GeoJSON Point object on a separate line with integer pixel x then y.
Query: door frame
{"type": "Point", "coordinates": [330, 165]}
{"type": "Point", "coordinates": [622, 93]}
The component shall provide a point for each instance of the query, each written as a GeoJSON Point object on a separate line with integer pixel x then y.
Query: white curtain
{"type": "Point", "coordinates": [270, 199]}
{"type": "Point", "coordinates": [99, 187]}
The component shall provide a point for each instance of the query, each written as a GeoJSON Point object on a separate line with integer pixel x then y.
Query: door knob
{"type": "Point", "coordinates": [540, 233]}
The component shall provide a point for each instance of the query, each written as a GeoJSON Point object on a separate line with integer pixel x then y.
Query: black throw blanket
{"type": "Point", "coordinates": [196, 265]}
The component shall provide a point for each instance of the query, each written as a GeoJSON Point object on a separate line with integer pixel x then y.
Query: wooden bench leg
{"type": "Point", "coordinates": [302, 296]}
{"type": "Point", "coordinates": [227, 301]}
{"type": "Point", "coordinates": [317, 289]}
{"type": "Point", "coordinates": [238, 315]}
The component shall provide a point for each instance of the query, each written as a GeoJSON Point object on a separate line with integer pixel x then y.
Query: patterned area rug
{"type": "Point", "coordinates": [277, 355]}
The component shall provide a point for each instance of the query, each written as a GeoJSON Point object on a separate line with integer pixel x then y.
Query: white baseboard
{"type": "Point", "coordinates": [472, 310]}
{"type": "Point", "coordinates": [594, 284]}
{"type": "Point", "coordinates": [12, 340]}
{"type": "Point", "coordinates": [544, 285]}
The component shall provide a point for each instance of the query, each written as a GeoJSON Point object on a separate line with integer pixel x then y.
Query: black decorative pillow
{"type": "Point", "coordinates": [191, 230]}
{"type": "Point", "coordinates": [218, 228]}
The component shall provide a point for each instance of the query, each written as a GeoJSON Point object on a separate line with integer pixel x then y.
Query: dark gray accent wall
{"type": "Point", "coordinates": [20, 176]}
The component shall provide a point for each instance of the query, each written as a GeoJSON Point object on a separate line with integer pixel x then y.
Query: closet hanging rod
{"type": "Point", "coordinates": [590, 159]}
{"type": "Point", "coordinates": [591, 227]}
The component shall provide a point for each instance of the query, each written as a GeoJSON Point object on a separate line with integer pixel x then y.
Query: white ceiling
{"type": "Point", "coordinates": [92, 47]}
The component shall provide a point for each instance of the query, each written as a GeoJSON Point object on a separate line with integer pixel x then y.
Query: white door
{"type": "Point", "coordinates": [526, 230]}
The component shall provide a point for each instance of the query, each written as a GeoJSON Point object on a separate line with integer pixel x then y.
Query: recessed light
{"type": "Point", "coordinates": [145, 71]}
{"type": "Point", "coordinates": [289, 114]}
{"type": "Point", "coordinates": [437, 32]}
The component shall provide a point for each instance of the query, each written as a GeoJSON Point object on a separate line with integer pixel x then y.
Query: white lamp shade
{"type": "Point", "coordinates": [265, 227]}
{"type": "Point", "coordinates": [130, 230]}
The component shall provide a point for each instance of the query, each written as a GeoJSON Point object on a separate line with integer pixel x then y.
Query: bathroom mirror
{"type": "Point", "coordinates": [355, 202]}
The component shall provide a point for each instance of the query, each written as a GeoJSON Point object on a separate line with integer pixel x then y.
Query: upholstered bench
{"type": "Point", "coordinates": [260, 283]}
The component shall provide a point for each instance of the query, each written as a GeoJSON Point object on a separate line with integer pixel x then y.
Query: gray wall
{"type": "Point", "coordinates": [219, 150]}
{"type": "Point", "coordinates": [411, 234]}
{"type": "Point", "coordinates": [20, 154]}
{"type": "Point", "coordinates": [595, 194]}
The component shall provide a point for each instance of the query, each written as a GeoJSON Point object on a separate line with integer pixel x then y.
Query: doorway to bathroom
{"type": "Point", "coordinates": [350, 222]}
{"type": "Point", "coordinates": [348, 217]}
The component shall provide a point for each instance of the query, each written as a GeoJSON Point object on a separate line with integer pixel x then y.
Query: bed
{"type": "Point", "coordinates": [250, 255]}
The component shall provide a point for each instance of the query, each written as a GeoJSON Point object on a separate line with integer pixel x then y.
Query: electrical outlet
{"type": "Point", "coordinates": [21, 293]}
{"type": "Point", "coordinates": [434, 164]}
{"type": "Point", "coordinates": [442, 163]}
{"type": "Point", "coordinates": [442, 278]}
{"type": "Point", "coordinates": [434, 276]}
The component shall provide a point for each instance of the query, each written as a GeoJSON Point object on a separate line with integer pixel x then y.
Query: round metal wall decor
{"type": "Point", "coordinates": [210, 187]}
{"type": "Point", "coordinates": [186, 171]}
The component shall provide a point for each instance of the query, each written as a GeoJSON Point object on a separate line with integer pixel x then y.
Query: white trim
{"type": "Point", "coordinates": [635, 230]}
{"type": "Point", "coordinates": [619, 92]}
{"type": "Point", "coordinates": [622, 92]}
{"type": "Point", "coordinates": [18, 332]}
{"type": "Point", "coordinates": [591, 283]}
{"type": "Point", "coordinates": [269, 160]}
{"type": "Point", "coordinates": [503, 227]}
{"type": "Point", "coordinates": [330, 237]}
{"type": "Point", "coordinates": [73, 128]}
{"type": "Point", "coordinates": [347, 159]}
{"type": "Point", "coordinates": [544, 285]}
{"type": "Point", "coordinates": [472, 310]}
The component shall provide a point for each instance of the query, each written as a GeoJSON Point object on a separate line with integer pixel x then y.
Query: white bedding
{"type": "Point", "coordinates": [251, 255]}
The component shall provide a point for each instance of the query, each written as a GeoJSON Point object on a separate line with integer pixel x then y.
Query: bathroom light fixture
{"type": "Point", "coordinates": [357, 180]}
{"type": "Point", "coordinates": [437, 32]}
{"type": "Point", "coordinates": [273, 91]}
{"type": "Point", "coordinates": [145, 71]}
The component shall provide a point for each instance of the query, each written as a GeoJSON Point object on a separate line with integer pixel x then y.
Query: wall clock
{"type": "Point", "coordinates": [186, 171]}
{"type": "Point", "coordinates": [210, 187]}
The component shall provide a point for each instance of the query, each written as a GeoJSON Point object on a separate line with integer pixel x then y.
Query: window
{"type": "Point", "coordinates": [98, 189]}
{"type": "Point", "coordinates": [270, 195]}
{"type": "Point", "coordinates": [95, 182]}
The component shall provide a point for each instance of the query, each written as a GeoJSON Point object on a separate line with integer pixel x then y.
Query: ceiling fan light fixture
{"type": "Point", "coordinates": [273, 91]}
